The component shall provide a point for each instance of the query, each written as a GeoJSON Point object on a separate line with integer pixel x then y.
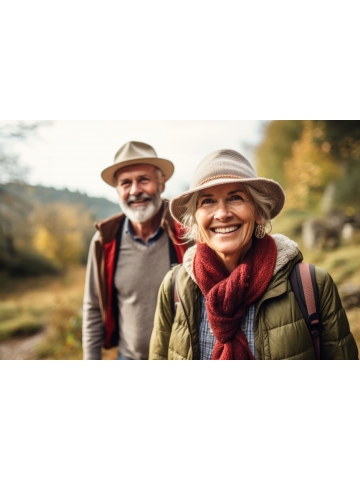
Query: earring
{"type": "Point", "coordinates": [260, 231]}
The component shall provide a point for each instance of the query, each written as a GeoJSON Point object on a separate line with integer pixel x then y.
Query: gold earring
{"type": "Point", "coordinates": [260, 231]}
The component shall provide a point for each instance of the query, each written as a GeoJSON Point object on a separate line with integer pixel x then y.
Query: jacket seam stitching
{"type": "Point", "coordinates": [177, 354]}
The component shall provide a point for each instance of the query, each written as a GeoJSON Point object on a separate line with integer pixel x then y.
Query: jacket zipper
{"type": "Point", "coordinates": [266, 297]}
{"type": "Point", "coordinates": [257, 320]}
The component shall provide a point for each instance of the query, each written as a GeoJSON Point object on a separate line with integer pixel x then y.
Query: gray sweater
{"type": "Point", "coordinates": [139, 273]}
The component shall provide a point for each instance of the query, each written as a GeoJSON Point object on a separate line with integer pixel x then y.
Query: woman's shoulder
{"type": "Point", "coordinates": [288, 252]}
{"type": "Point", "coordinates": [178, 272]}
{"type": "Point", "coordinates": [324, 280]}
{"type": "Point", "coordinates": [177, 278]}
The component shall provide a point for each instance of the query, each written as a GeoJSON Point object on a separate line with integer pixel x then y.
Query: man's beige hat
{"type": "Point", "coordinates": [227, 166]}
{"type": "Point", "coordinates": [135, 153]}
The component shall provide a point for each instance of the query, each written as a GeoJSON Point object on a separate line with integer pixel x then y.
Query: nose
{"type": "Point", "coordinates": [135, 188]}
{"type": "Point", "coordinates": [222, 212]}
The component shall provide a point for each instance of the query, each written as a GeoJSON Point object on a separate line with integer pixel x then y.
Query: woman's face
{"type": "Point", "coordinates": [226, 218]}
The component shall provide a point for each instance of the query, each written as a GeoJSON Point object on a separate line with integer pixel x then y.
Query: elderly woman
{"type": "Point", "coordinates": [234, 300]}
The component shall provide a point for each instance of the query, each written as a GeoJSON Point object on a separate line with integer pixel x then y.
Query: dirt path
{"type": "Point", "coordinates": [20, 348]}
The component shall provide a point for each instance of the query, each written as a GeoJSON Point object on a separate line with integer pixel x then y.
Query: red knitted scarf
{"type": "Point", "coordinates": [229, 295]}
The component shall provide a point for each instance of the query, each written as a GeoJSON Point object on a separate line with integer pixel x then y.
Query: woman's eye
{"type": "Point", "coordinates": [206, 201]}
{"type": "Point", "coordinates": [235, 198]}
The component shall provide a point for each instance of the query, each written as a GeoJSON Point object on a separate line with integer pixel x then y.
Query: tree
{"type": "Point", "coordinates": [276, 147]}
{"type": "Point", "coordinates": [61, 232]}
{"type": "Point", "coordinates": [12, 206]}
{"type": "Point", "coordinates": [308, 171]}
{"type": "Point", "coordinates": [341, 139]}
{"type": "Point", "coordinates": [10, 168]}
{"type": "Point", "coordinates": [313, 160]}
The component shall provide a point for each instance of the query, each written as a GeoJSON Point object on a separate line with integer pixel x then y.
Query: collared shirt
{"type": "Point", "coordinates": [207, 338]}
{"type": "Point", "coordinates": [129, 230]}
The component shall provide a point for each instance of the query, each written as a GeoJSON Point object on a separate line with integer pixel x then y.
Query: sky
{"type": "Point", "coordinates": [71, 154]}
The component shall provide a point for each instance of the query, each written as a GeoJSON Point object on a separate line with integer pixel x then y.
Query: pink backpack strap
{"type": "Point", "coordinates": [303, 283]}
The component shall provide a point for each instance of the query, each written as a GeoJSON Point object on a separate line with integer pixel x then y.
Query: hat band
{"type": "Point", "coordinates": [219, 176]}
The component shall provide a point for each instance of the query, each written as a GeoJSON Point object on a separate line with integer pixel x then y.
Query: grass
{"type": "Point", "coordinates": [16, 327]}
{"type": "Point", "coordinates": [343, 263]}
{"type": "Point", "coordinates": [353, 317]}
{"type": "Point", "coordinates": [52, 304]}
{"type": "Point", "coordinates": [16, 321]}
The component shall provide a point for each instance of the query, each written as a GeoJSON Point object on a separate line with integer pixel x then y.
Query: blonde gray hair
{"type": "Point", "coordinates": [262, 200]}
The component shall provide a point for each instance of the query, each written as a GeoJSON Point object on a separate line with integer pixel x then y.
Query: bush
{"type": "Point", "coordinates": [16, 321]}
{"type": "Point", "coordinates": [29, 264]}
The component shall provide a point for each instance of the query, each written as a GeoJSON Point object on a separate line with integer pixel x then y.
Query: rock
{"type": "Point", "coordinates": [328, 232]}
{"type": "Point", "coordinates": [350, 296]}
{"type": "Point", "coordinates": [313, 234]}
{"type": "Point", "coordinates": [318, 234]}
{"type": "Point", "coordinates": [347, 232]}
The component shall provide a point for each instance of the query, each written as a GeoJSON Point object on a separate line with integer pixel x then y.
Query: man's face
{"type": "Point", "coordinates": [139, 188]}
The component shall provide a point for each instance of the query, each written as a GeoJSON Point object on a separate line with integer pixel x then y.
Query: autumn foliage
{"type": "Point", "coordinates": [316, 161]}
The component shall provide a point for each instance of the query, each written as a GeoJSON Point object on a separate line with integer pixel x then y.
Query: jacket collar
{"type": "Point", "coordinates": [109, 227]}
{"type": "Point", "coordinates": [287, 250]}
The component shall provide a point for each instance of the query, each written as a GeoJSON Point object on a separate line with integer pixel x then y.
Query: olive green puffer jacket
{"type": "Point", "coordinates": [279, 328]}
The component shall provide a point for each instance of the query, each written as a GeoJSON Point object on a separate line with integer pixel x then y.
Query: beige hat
{"type": "Point", "coordinates": [227, 166]}
{"type": "Point", "coordinates": [135, 153]}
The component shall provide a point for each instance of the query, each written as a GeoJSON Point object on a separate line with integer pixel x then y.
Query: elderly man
{"type": "Point", "coordinates": [129, 256]}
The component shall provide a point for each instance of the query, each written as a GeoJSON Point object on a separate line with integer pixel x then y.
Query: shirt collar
{"type": "Point", "coordinates": [129, 230]}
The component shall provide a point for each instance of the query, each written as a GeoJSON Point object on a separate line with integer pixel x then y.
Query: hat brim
{"type": "Point", "coordinates": [274, 189]}
{"type": "Point", "coordinates": [165, 166]}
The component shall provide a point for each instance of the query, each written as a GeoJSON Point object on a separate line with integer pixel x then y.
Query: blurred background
{"type": "Point", "coordinates": [51, 193]}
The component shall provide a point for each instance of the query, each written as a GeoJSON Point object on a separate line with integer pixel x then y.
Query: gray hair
{"type": "Point", "coordinates": [159, 174]}
{"type": "Point", "coordinates": [262, 200]}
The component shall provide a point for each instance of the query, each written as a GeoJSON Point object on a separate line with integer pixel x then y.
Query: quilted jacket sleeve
{"type": "Point", "coordinates": [163, 321]}
{"type": "Point", "coordinates": [337, 342]}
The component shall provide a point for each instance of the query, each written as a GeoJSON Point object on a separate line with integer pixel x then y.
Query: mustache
{"type": "Point", "coordinates": [137, 198]}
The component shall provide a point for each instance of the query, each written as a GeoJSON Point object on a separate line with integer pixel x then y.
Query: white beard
{"type": "Point", "coordinates": [144, 213]}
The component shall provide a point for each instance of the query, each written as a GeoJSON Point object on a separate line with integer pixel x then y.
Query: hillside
{"type": "Point", "coordinates": [99, 207]}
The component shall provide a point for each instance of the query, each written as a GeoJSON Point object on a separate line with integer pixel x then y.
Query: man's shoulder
{"type": "Point", "coordinates": [107, 229]}
{"type": "Point", "coordinates": [109, 220]}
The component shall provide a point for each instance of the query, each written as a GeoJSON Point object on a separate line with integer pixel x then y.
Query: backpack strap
{"type": "Point", "coordinates": [303, 284]}
{"type": "Point", "coordinates": [172, 254]}
{"type": "Point", "coordinates": [175, 296]}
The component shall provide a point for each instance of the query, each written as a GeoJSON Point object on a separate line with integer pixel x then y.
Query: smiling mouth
{"type": "Point", "coordinates": [139, 202]}
{"type": "Point", "coordinates": [226, 229]}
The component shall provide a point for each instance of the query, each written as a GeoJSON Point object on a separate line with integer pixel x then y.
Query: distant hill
{"type": "Point", "coordinates": [100, 207]}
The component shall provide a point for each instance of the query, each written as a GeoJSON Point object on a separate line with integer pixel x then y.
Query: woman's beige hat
{"type": "Point", "coordinates": [227, 166]}
{"type": "Point", "coordinates": [135, 153]}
